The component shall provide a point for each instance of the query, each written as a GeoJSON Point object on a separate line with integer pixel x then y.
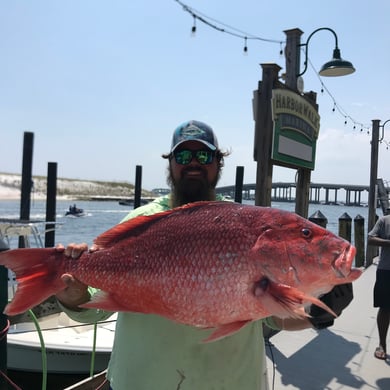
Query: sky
{"type": "Point", "coordinates": [103, 84]}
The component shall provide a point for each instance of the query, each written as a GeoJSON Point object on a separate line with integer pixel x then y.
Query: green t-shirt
{"type": "Point", "coordinates": [153, 353]}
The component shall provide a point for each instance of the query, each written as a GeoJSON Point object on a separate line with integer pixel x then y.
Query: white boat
{"type": "Point", "coordinates": [67, 346]}
{"type": "Point", "coordinates": [57, 344]}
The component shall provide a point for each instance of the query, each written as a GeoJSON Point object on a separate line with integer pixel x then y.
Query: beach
{"type": "Point", "coordinates": [7, 193]}
{"type": "Point", "coordinates": [67, 189]}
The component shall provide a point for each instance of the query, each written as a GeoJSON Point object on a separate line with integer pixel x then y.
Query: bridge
{"type": "Point", "coordinates": [326, 193]}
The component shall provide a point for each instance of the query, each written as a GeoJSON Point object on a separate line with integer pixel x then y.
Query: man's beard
{"type": "Point", "coordinates": [188, 189]}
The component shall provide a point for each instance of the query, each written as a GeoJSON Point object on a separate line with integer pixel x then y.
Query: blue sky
{"type": "Point", "coordinates": [102, 84]}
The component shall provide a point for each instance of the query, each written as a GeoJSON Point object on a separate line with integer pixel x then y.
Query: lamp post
{"type": "Point", "coordinates": [371, 251]}
{"type": "Point", "coordinates": [336, 66]}
{"type": "Point", "coordinates": [333, 68]}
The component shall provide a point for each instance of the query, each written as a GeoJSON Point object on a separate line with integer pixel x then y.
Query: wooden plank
{"type": "Point", "coordinates": [97, 381]}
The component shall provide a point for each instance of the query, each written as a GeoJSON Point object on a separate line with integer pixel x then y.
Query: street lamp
{"type": "Point", "coordinates": [383, 130]}
{"type": "Point", "coordinates": [294, 81]}
{"type": "Point", "coordinates": [336, 66]}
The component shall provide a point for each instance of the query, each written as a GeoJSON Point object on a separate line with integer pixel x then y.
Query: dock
{"type": "Point", "coordinates": [340, 357]}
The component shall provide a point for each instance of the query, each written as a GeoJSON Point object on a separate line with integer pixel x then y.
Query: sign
{"type": "Point", "coordinates": [296, 127]}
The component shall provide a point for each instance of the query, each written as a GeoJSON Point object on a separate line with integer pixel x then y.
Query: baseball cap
{"type": "Point", "coordinates": [194, 131]}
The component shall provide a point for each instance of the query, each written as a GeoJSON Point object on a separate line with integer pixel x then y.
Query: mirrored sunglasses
{"type": "Point", "coordinates": [184, 156]}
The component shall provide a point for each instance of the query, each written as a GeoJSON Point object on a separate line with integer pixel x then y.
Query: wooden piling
{"type": "Point", "coordinates": [51, 195]}
{"type": "Point", "coordinates": [3, 317]}
{"type": "Point", "coordinates": [319, 219]}
{"type": "Point", "coordinates": [27, 183]}
{"type": "Point", "coordinates": [239, 184]}
{"type": "Point", "coordinates": [138, 186]}
{"type": "Point", "coordinates": [359, 240]}
{"type": "Point", "coordinates": [345, 227]}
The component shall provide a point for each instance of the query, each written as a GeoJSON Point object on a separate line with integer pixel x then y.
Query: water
{"type": "Point", "coordinates": [102, 215]}
{"type": "Point", "coordinates": [99, 217]}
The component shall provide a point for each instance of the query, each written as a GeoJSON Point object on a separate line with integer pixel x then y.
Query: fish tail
{"type": "Point", "coordinates": [290, 300]}
{"type": "Point", "coordinates": [38, 273]}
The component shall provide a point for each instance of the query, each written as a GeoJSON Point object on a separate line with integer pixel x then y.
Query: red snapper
{"type": "Point", "coordinates": [207, 264]}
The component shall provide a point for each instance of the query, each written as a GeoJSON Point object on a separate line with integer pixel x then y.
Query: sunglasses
{"type": "Point", "coordinates": [184, 156]}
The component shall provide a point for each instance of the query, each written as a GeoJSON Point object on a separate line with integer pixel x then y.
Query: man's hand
{"type": "Point", "coordinates": [75, 293]}
{"type": "Point", "coordinates": [337, 299]}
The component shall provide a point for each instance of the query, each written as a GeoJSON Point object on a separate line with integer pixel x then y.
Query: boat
{"type": "Point", "coordinates": [45, 338]}
{"type": "Point", "coordinates": [130, 202]}
{"type": "Point", "coordinates": [75, 212]}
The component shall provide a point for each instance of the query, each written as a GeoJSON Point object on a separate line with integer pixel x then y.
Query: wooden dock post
{"type": "Point", "coordinates": [3, 317]}
{"type": "Point", "coordinates": [51, 196]}
{"type": "Point", "coordinates": [239, 184]}
{"type": "Point", "coordinates": [371, 250]}
{"type": "Point", "coordinates": [319, 219]}
{"type": "Point", "coordinates": [27, 183]}
{"type": "Point", "coordinates": [138, 186]}
{"type": "Point", "coordinates": [359, 240]}
{"type": "Point", "coordinates": [345, 227]}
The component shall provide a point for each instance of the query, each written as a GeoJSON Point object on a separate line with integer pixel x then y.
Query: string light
{"type": "Point", "coordinates": [224, 28]}
{"type": "Point", "coordinates": [336, 106]}
{"type": "Point", "coordinates": [245, 46]}
{"type": "Point", "coordinates": [193, 29]}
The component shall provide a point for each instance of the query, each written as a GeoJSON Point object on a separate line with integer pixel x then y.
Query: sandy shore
{"type": "Point", "coordinates": [10, 188]}
{"type": "Point", "coordinates": [7, 193]}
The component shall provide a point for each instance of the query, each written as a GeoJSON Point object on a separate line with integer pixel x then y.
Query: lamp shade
{"type": "Point", "coordinates": [337, 66]}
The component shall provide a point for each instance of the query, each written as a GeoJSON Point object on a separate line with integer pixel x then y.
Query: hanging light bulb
{"type": "Point", "coordinates": [245, 47]}
{"type": "Point", "coordinates": [193, 29]}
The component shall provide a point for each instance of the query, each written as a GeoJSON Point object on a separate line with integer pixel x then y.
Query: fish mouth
{"type": "Point", "coordinates": [343, 263]}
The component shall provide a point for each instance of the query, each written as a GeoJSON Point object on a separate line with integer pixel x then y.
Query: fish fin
{"type": "Point", "coordinates": [290, 300]}
{"type": "Point", "coordinates": [105, 301]}
{"type": "Point", "coordinates": [225, 330]}
{"type": "Point", "coordinates": [135, 226]}
{"type": "Point", "coordinates": [38, 273]}
{"type": "Point", "coordinates": [130, 228]}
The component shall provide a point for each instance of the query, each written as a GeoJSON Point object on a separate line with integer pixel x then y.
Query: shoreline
{"type": "Point", "coordinates": [67, 189]}
{"type": "Point", "coordinates": [7, 193]}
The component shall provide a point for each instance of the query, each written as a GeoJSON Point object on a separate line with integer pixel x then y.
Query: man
{"type": "Point", "coordinates": [151, 352]}
{"type": "Point", "coordinates": [380, 236]}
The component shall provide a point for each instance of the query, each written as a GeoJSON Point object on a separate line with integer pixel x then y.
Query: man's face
{"type": "Point", "coordinates": [193, 181]}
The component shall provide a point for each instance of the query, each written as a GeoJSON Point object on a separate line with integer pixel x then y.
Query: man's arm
{"type": "Point", "coordinates": [377, 241]}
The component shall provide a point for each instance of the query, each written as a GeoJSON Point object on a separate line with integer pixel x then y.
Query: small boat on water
{"type": "Point", "coordinates": [74, 211]}
{"type": "Point", "coordinates": [47, 334]}
{"type": "Point", "coordinates": [130, 202]}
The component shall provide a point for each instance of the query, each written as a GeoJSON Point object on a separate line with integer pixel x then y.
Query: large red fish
{"type": "Point", "coordinates": [207, 264]}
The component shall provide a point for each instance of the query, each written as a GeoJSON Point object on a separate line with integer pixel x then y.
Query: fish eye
{"type": "Point", "coordinates": [306, 233]}
{"type": "Point", "coordinates": [261, 286]}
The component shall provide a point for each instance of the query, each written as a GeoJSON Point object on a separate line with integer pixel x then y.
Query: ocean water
{"type": "Point", "coordinates": [102, 215]}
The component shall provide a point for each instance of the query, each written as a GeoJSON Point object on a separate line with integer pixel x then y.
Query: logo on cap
{"type": "Point", "coordinates": [194, 131]}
